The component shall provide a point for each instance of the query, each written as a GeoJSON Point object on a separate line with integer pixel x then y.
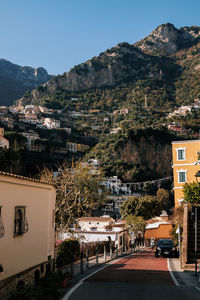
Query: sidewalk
{"type": "Point", "coordinates": [183, 277]}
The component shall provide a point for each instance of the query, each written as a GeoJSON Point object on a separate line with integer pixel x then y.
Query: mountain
{"type": "Point", "coordinates": [16, 80]}
{"type": "Point", "coordinates": [166, 39]}
{"type": "Point", "coordinates": [149, 78]}
{"type": "Point", "coordinates": [153, 66]}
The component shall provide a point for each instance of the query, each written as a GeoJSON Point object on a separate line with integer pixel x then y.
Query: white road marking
{"type": "Point", "coordinates": [66, 297]}
{"type": "Point", "coordinates": [198, 288]}
{"type": "Point", "coordinates": [171, 273]}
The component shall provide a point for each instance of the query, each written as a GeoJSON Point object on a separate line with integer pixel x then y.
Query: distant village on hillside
{"type": "Point", "coordinates": [28, 120]}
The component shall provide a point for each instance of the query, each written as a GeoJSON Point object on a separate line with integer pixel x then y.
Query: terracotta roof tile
{"type": "Point", "coordinates": [23, 177]}
{"type": "Point", "coordinates": [101, 219]}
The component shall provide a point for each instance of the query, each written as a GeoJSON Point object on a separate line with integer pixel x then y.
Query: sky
{"type": "Point", "coordinates": [59, 34]}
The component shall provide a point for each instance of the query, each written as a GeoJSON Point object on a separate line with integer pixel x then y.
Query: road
{"type": "Point", "coordinates": [140, 277]}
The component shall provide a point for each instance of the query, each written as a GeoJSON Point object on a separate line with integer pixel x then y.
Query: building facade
{"type": "Point", "coordinates": [26, 230]}
{"type": "Point", "coordinates": [185, 165]}
{"type": "Point", "coordinates": [98, 229]}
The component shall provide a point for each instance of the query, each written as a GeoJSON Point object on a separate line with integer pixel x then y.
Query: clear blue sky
{"type": "Point", "coordinates": [58, 34]}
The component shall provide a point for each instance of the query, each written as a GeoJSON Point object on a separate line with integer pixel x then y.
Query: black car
{"type": "Point", "coordinates": [165, 247]}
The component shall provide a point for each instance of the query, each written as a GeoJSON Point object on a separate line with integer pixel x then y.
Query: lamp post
{"type": "Point", "coordinates": [197, 175]}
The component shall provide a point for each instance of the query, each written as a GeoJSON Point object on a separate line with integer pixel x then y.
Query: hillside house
{"type": "Point", "coordinates": [30, 118]}
{"type": "Point", "coordinates": [122, 111]}
{"type": "Point", "coordinates": [67, 129]}
{"type": "Point", "coordinates": [51, 123]}
{"type": "Point", "coordinates": [4, 143]}
{"type": "Point", "coordinates": [8, 121]}
{"type": "Point", "coordinates": [177, 128]}
{"type": "Point", "coordinates": [26, 230]}
{"type": "Point", "coordinates": [115, 185]}
{"type": "Point", "coordinates": [115, 130]}
{"type": "Point", "coordinates": [31, 137]}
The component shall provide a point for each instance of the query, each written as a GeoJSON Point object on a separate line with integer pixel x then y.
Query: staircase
{"type": "Point", "coordinates": [191, 236]}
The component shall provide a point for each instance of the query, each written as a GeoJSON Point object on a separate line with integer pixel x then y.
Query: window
{"type": "Point", "coordinates": [180, 153]}
{"type": "Point", "coordinates": [93, 229]}
{"type": "Point", "coordinates": [1, 225]}
{"type": "Point", "coordinates": [21, 224]}
{"type": "Point", "coordinates": [182, 176]}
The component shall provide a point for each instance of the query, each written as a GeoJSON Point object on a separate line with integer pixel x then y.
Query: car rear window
{"type": "Point", "coordinates": [165, 242]}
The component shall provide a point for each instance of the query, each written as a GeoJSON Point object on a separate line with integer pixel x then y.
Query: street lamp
{"type": "Point", "coordinates": [197, 175]}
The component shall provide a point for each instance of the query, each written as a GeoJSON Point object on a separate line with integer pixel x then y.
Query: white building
{"type": "Point", "coordinates": [116, 186]}
{"type": "Point", "coordinates": [115, 130]}
{"type": "Point", "coordinates": [96, 229]}
{"type": "Point", "coordinates": [4, 143]}
{"type": "Point", "coordinates": [51, 123]}
{"type": "Point", "coordinates": [27, 230]}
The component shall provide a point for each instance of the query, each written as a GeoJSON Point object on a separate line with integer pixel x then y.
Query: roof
{"type": "Point", "coordinates": [157, 224]}
{"type": "Point", "coordinates": [186, 141]}
{"type": "Point", "coordinates": [98, 219]}
{"type": "Point", "coordinates": [23, 177]}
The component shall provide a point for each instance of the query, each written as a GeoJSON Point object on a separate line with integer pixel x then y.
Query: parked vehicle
{"type": "Point", "coordinates": [166, 247]}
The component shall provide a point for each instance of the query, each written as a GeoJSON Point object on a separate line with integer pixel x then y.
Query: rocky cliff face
{"type": "Point", "coordinates": [149, 153]}
{"type": "Point", "coordinates": [167, 39]}
{"type": "Point", "coordinates": [120, 63]}
{"type": "Point", "coordinates": [108, 69]}
{"type": "Point", "coordinates": [16, 80]}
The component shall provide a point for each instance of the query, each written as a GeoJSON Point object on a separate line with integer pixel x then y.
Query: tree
{"type": "Point", "coordinates": [135, 224]}
{"type": "Point", "coordinates": [146, 207]}
{"type": "Point", "coordinates": [78, 191]}
{"type": "Point", "coordinates": [191, 192]}
{"type": "Point", "coordinates": [177, 219]}
{"type": "Point", "coordinates": [163, 196]}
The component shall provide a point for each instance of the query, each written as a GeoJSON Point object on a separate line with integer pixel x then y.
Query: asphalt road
{"type": "Point", "coordinates": [139, 276]}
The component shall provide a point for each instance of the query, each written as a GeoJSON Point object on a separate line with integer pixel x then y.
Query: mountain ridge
{"type": "Point", "coordinates": [15, 80]}
{"type": "Point", "coordinates": [152, 59]}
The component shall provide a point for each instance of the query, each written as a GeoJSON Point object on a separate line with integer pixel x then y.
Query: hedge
{"type": "Point", "coordinates": [67, 251]}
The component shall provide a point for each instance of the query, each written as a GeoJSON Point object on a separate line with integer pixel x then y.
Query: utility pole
{"type": "Point", "coordinates": [145, 101]}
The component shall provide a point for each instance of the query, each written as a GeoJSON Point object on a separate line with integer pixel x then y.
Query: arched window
{"type": "Point", "coordinates": [21, 224]}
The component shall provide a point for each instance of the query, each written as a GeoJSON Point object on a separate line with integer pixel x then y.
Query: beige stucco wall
{"type": "Point", "coordinates": [33, 247]}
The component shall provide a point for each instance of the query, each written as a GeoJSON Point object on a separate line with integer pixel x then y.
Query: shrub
{"type": "Point", "coordinates": [67, 251]}
{"type": "Point", "coordinates": [192, 193]}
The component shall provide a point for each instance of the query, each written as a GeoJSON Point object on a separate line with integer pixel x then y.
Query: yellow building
{"type": "Point", "coordinates": [26, 230]}
{"type": "Point", "coordinates": [185, 165]}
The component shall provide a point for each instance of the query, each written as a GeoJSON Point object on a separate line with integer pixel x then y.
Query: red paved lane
{"type": "Point", "coordinates": [141, 268]}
